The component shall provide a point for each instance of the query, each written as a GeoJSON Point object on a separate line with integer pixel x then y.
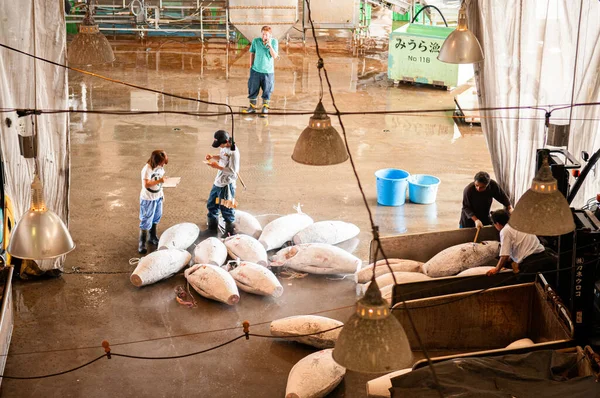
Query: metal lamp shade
{"type": "Point", "coordinates": [40, 235]}
{"type": "Point", "coordinates": [90, 47]}
{"type": "Point", "coordinates": [542, 214]}
{"type": "Point", "coordinates": [543, 210]}
{"type": "Point", "coordinates": [461, 46]}
{"type": "Point", "coordinates": [373, 344]}
{"type": "Point", "coordinates": [320, 144]}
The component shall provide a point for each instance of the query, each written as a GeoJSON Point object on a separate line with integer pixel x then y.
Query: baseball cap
{"type": "Point", "coordinates": [221, 137]}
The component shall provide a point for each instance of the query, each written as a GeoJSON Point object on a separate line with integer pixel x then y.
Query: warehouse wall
{"type": "Point", "coordinates": [36, 27]}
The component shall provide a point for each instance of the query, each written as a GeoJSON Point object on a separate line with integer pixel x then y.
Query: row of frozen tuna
{"type": "Point", "coordinates": [465, 259]}
{"type": "Point", "coordinates": [213, 277]}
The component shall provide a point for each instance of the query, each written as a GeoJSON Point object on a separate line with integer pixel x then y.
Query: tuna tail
{"type": "Point", "coordinates": [298, 208]}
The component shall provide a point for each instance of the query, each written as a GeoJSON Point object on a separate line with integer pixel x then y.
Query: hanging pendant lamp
{"type": "Point", "coordinates": [90, 47]}
{"type": "Point", "coordinates": [320, 144]}
{"type": "Point", "coordinates": [543, 210]}
{"type": "Point", "coordinates": [373, 340]}
{"type": "Point", "coordinates": [40, 233]}
{"type": "Point", "coordinates": [461, 46]}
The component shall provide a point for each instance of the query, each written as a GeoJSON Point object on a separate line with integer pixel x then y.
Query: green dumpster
{"type": "Point", "coordinates": [413, 51]}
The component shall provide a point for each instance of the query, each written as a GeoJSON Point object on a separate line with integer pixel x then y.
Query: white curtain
{"type": "Point", "coordinates": [530, 50]}
{"type": "Point", "coordinates": [36, 27]}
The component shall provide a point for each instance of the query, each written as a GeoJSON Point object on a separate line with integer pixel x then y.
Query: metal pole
{"type": "Point", "coordinates": [202, 24]}
{"type": "Point", "coordinates": [227, 25]}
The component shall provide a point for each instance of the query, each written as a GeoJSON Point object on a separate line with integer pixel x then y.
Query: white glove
{"type": "Point", "coordinates": [478, 224]}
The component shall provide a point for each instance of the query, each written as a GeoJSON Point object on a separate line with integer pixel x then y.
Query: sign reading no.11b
{"type": "Point", "coordinates": [414, 58]}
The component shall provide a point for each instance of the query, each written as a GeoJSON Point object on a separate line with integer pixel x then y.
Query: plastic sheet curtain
{"type": "Point", "coordinates": [530, 51]}
{"type": "Point", "coordinates": [36, 27]}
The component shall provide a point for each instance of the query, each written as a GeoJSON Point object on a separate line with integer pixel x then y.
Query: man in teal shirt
{"type": "Point", "coordinates": [263, 52]}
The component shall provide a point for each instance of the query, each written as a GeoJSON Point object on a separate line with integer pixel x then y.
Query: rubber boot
{"type": "Point", "coordinates": [153, 239]}
{"type": "Point", "coordinates": [265, 109]}
{"type": "Point", "coordinates": [229, 230]}
{"type": "Point", "coordinates": [213, 224]}
{"type": "Point", "coordinates": [142, 246]}
{"type": "Point", "coordinates": [251, 108]}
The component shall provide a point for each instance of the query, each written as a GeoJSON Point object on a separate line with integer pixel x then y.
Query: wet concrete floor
{"type": "Point", "coordinates": [79, 310]}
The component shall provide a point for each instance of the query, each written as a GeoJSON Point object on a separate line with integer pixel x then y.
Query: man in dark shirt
{"type": "Point", "coordinates": [477, 201]}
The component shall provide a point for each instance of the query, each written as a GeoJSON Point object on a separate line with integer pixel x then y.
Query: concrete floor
{"type": "Point", "coordinates": [108, 152]}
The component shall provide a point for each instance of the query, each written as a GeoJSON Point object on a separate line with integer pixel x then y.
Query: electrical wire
{"type": "Point", "coordinates": [547, 108]}
{"type": "Point", "coordinates": [53, 374]}
{"type": "Point", "coordinates": [374, 228]}
{"type": "Point", "coordinates": [132, 86]}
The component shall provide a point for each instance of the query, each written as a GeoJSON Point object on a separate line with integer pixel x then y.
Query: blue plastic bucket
{"type": "Point", "coordinates": [391, 186]}
{"type": "Point", "coordinates": [422, 188]}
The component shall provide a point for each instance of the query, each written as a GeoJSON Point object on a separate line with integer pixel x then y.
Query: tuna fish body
{"type": "Point", "coordinates": [159, 265]}
{"type": "Point", "coordinates": [314, 376]}
{"type": "Point", "coordinates": [246, 248]}
{"type": "Point", "coordinates": [283, 229]}
{"type": "Point", "coordinates": [308, 324]}
{"type": "Point", "coordinates": [210, 251]}
{"type": "Point", "coordinates": [317, 258]}
{"type": "Point", "coordinates": [256, 279]}
{"type": "Point", "coordinates": [458, 258]}
{"type": "Point", "coordinates": [330, 232]}
{"type": "Point", "coordinates": [397, 265]}
{"type": "Point", "coordinates": [179, 236]}
{"type": "Point", "coordinates": [213, 283]}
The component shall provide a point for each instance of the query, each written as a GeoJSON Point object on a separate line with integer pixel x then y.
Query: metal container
{"type": "Point", "coordinates": [249, 16]}
{"type": "Point", "coordinates": [412, 57]}
{"type": "Point", "coordinates": [487, 320]}
{"type": "Point", "coordinates": [333, 14]}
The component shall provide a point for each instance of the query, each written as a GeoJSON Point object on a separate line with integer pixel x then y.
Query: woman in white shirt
{"type": "Point", "coordinates": [151, 198]}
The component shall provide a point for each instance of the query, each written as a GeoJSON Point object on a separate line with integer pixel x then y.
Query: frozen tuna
{"type": "Point", "coordinates": [213, 283]}
{"type": "Point", "coordinates": [397, 265]}
{"type": "Point", "coordinates": [478, 271]}
{"type": "Point", "coordinates": [380, 387]}
{"type": "Point", "coordinates": [179, 236]}
{"type": "Point", "coordinates": [246, 248]}
{"type": "Point", "coordinates": [401, 277]}
{"type": "Point", "coordinates": [314, 376]}
{"type": "Point", "coordinates": [210, 251]}
{"type": "Point", "coordinates": [330, 232]}
{"type": "Point", "coordinates": [159, 265]}
{"type": "Point", "coordinates": [256, 279]}
{"type": "Point", "coordinates": [245, 223]}
{"type": "Point", "coordinates": [317, 258]}
{"type": "Point", "coordinates": [458, 258]}
{"type": "Point", "coordinates": [520, 344]}
{"type": "Point", "coordinates": [283, 229]}
{"type": "Point", "coordinates": [308, 324]}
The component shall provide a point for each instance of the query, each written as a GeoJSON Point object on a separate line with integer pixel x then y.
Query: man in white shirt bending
{"type": "Point", "coordinates": [525, 250]}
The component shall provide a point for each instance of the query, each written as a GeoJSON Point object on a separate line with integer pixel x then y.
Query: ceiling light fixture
{"type": "Point", "coordinates": [320, 144]}
{"type": "Point", "coordinates": [461, 46]}
{"type": "Point", "coordinates": [90, 47]}
{"type": "Point", "coordinates": [543, 210]}
{"type": "Point", "coordinates": [373, 340]}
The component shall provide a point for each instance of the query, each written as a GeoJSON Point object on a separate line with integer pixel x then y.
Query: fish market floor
{"type": "Point", "coordinates": [55, 316]}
